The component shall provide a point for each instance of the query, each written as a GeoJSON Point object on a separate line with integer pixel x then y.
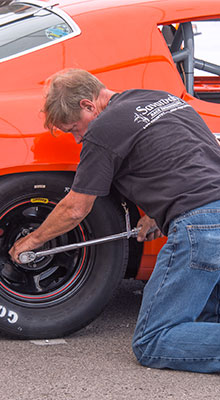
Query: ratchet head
{"type": "Point", "coordinates": [27, 257]}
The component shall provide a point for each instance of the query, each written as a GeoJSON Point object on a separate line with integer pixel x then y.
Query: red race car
{"type": "Point", "coordinates": [168, 45]}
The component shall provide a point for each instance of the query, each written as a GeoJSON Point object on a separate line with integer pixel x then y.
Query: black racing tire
{"type": "Point", "coordinates": [58, 294]}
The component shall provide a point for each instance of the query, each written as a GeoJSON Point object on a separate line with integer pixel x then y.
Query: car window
{"type": "Point", "coordinates": [195, 48]}
{"type": "Point", "coordinates": [25, 27]}
{"type": "Point", "coordinates": [206, 44]}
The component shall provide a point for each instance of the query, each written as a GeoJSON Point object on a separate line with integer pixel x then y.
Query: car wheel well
{"type": "Point", "coordinates": [135, 248]}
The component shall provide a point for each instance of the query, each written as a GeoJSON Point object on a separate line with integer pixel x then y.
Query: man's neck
{"type": "Point", "coordinates": [103, 99]}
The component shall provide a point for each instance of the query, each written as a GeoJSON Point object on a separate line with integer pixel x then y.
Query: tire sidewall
{"type": "Point", "coordinates": [74, 311]}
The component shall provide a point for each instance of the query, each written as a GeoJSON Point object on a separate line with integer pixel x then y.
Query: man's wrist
{"type": "Point", "coordinates": [36, 240]}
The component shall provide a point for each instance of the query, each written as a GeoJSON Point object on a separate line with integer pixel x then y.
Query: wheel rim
{"type": "Point", "coordinates": [50, 278]}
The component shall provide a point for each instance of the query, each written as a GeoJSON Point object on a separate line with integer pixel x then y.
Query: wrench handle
{"type": "Point", "coordinates": [30, 256]}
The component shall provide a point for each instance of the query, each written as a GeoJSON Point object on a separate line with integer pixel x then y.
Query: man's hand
{"type": "Point", "coordinates": [147, 224]}
{"type": "Point", "coordinates": [24, 244]}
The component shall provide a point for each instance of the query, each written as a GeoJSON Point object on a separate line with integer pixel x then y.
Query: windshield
{"type": "Point", "coordinates": [24, 27]}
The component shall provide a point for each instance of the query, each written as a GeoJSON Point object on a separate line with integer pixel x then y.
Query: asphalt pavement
{"type": "Point", "coordinates": [96, 363]}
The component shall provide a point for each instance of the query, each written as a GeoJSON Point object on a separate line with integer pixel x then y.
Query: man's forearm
{"type": "Point", "coordinates": [68, 213]}
{"type": "Point", "coordinates": [62, 219]}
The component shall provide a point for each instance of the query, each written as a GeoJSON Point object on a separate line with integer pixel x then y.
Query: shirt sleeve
{"type": "Point", "coordinates": [96, 170]}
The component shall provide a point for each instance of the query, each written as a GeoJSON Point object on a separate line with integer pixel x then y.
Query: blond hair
{"type": "Point", "coordinates": [65, 90]}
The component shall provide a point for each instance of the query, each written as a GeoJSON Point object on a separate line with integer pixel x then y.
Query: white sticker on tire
{"type": "Point", "coordinates": [11, 316]}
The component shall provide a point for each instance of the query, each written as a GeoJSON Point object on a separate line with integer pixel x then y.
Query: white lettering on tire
{"type": "Point", "coordinates": [10, 315]}
{"type": "Point", "coordinates": [3, 311]}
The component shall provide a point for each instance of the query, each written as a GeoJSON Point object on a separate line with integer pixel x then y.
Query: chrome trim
{"type": "Point", "coordinates": [5, 20]}
{"type": "Point", "coordinates": [51, 5]}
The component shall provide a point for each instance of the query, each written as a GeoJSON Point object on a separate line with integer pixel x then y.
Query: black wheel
{"type": "Point", "coordinates": [58, 294]}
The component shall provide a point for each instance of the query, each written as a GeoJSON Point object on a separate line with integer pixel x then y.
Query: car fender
{"type": "Point", "coordinates": [25, 145]}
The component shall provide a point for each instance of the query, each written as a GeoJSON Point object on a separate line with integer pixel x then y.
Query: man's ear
{"type": "Point", "coordinates": [87, 104]}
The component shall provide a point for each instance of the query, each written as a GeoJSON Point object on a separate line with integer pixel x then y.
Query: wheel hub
{"type": "Point", "coordinates": [41, 263]}
{"type": "Point", "coordinates": [49, 275]}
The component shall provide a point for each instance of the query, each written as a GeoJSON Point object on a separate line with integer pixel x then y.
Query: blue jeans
{"type": "Point", "coordinates": [178, 325]}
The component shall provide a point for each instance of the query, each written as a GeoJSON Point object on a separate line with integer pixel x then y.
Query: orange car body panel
{"type": "Point", "coordinates": [121, 44]}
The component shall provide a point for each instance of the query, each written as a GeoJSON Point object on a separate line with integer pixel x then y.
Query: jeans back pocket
{"type": "Point", "coordinates": [205, 246]}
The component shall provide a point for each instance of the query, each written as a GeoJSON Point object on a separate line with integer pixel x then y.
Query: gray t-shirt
{"type": "Point", "coordinates": [156, 150]}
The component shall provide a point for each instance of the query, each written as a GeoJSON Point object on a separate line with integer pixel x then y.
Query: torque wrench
{"type": "Point", "coordinates": [30, 256]}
